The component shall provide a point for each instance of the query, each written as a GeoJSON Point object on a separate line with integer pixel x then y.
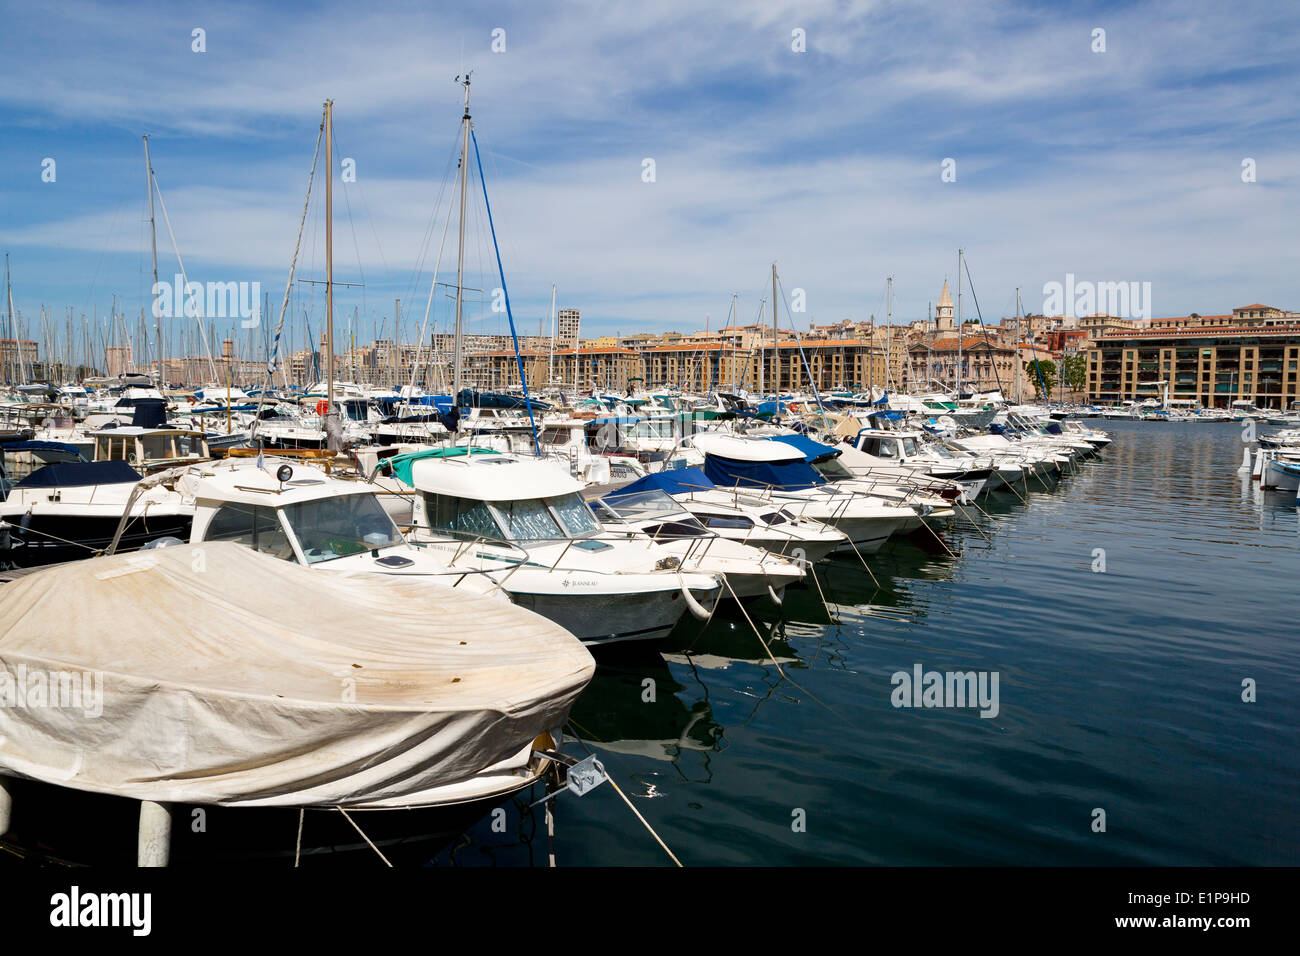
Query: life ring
{"type": "Point", "coordinates": [322, 407]}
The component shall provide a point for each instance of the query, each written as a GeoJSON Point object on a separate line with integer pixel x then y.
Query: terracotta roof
{"type": "Point", "coordinates": [949, 344]}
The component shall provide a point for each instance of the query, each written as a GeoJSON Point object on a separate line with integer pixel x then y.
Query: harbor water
{"type": "Point", "coordinates": [1139, 616]}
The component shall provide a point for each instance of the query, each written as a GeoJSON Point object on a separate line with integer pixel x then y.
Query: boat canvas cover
{"type": "Point", "coordinates": [782, 475]}
{"type": "Point", "coordinates": [73, 474]}
{"type": "Point", "coordinates": [678, 481]}
{"type": "Point", "coordinates": [812, 451]}
{"type": "Point", "coordinates": [233, 678]}
{"type": "Point", "coordinates": [401, 465]}
{"type": "Point", "coordinates": [6, 447]}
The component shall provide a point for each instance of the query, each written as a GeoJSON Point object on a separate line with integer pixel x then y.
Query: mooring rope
{"type": "Point", "coordinates": [363, 835]}
{"type": "Point", "coordinates": [617, 789]}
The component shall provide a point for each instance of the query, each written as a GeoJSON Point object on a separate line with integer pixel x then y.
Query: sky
{"type": "Point", "coordinates": [812, 134]}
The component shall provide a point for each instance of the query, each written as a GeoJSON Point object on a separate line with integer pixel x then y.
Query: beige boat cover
{"type": "Point", "coordinates": [214, 674]}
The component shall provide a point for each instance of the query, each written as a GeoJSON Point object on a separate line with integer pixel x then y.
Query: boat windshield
{"type": "Point", "coordinates": [832, 468]}
{"type": "Point", "coordinates": [528, 520]}
{"type": "Point", "coordinates": [642, 505]}
{"type": "Point", "coordinates": [342, 525]}
{"type": "Point", "coordinates": [574, 515]}
{"type": "Point", "coordinates": [546, 519]}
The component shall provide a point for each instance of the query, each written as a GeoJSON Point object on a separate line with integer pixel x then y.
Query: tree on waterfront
{"type": "Point", "coordinates": [1042, 382]}
{"type": "Point", "coordinates": [1076, 372]}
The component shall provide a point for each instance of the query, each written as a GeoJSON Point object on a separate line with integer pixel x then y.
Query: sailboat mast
{"type": "Point", "coordinates": [959, 326]}
{"type": "Point", "coordinates": [1019, 370]}
{"type": "Point", "coordinates": [762, 360]}
{"type": "Point", "coordinates": [889, 328]}
{"type": "Point", "coordinates": [776, 340]}
{"type": "Point", "coordinates": [458, 359]}
{"type": "Point", "coordinates": [329, 272]}
{"type": "Point", "coordinates": [550, 371]}
{"type": "Point", "coordinates": [9, 315]}
{"type": "Point", "coordinates": [153, 248]}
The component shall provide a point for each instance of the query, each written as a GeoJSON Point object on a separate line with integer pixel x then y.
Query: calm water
{"type": "Point", "coordinates": [1119, 690]}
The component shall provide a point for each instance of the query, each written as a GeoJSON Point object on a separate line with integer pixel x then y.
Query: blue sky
{"type": "Point", "coordinates": [1123, 165]}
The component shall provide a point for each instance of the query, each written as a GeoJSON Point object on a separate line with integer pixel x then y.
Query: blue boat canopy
{"type": "Point", "coordinates": [468, 398]}
{"type": "Point", "coordinates": [70, 474]}
{"type": "Point", "coordinates": [812, 451]}
{"type": "Point", "coordinates": [771, 408]}
{"type": "Point", "coordinates": [785, 475]}
{"type": "Point", "coordinates": [678, 481]}
{"type": "Point", "coordinates": [11, 446]}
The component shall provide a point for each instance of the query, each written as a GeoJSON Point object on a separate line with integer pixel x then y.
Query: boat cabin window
{"type": "Point", "coordinates": [555, 436]}
{"type": "Point", "coordinates": [115, 448]}
{"type": "Point", "coordinates": [335, 527]}
{"type": "Point", "coordinates": [253, 526]}
{"type": "Point", "coordinates": [909, 446]}
{"type": "Point", "coordinates": [355, 409]}
{"type": "Point", "coordinates": [777, 517]}
{"type": "Point", "coordinates": [154, 447]}
{"type": "Point", "coordinates": [740, 522]}
{"type": "Point", "coordinates": [675, 530]}
{"type": "Point", "coordinates": [463, 517]}
{"type": "Point", "coordinates": [654, 428]}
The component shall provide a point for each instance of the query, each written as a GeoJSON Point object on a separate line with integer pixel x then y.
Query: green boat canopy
{"type": "Point", "coordinates": [401, 464]}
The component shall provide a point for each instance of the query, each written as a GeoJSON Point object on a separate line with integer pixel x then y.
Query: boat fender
{"type": "Point", "coordinates": [775, 600]}
{"type": "Point", "coordinates": [696, 607]}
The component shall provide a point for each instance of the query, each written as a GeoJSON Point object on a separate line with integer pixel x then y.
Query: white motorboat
{"type": "Point", "coordinates": [780, 472]}
{"type": "Point", "coordinates": [216, 676]}
{"type": "Point", "coordinates": [72, 509]}
{"type": "Point", "coordinates": [741, 516]}
{"type": "Point", "coordinates": [749, 571]}
{"type": "Point", "coordinates": [527, 517]}
{"type": "Point", "coordinates": [293, 511]}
